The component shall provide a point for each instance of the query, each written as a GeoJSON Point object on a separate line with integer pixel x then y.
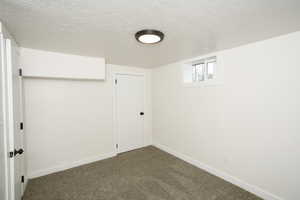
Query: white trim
{"type": "Point", "coordinates": [115, 121]}
{"type": "Point", "coordinates": [236, 181]}
{"type": "Point", "coordinates": [10, 114]}
{"type": "Point", "coordinates": [129, 73]}
{"type": "Point", "coordinates": [115, 137]}
{"type": "Point", "coordinates": [4, 123]}
{"type": "Point", "coordinates": [62, 78]}
{"type": "Point", "coordinates": [69, 165]}
{"type": "Point", "coordinates": [23, 172]}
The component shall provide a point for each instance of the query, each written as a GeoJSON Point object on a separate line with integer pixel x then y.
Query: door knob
{"type": "Point", "coordinates": [20, 151]}
{"type": "Point", "coordinates": [141, 113]}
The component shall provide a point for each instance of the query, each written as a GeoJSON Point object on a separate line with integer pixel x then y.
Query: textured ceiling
{"type": "Point", "coordinates": [106, 28]}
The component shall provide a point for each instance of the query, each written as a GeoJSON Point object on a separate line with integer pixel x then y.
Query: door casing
{"type": "Point", "coordinates": [5, 147]}
{"type": "Point", "coordinates": [11, 122]}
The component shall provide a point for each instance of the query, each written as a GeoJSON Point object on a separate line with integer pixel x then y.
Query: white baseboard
{"type": "Point", "coordinates": [242, 184]}
{"type": "Point", "coordinates": [65, 166]}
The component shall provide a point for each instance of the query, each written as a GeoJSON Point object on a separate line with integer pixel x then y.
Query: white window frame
{"type": "Point", "coordinates": [187, 67]}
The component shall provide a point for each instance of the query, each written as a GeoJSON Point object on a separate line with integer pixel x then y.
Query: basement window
{"type": "Point", "coordinates": [210, 69]}
{"type": "Point", "coordinates": [200, 71]}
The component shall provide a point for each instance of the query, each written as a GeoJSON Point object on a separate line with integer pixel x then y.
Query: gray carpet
{"type": "Point", "coordinates": [143, 174]}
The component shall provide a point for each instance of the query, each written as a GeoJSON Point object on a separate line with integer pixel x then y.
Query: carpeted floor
{"type": "Point", "coordinates": [143, 174]}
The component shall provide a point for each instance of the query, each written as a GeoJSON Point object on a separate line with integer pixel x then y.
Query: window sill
{"type": "Point", "coordinates": [204, 84]}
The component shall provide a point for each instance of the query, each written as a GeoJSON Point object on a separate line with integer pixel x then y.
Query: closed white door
{"type": "Point", "coordinates": [14, 118]}
{"type": "Point", "coordinates": [129, 91]}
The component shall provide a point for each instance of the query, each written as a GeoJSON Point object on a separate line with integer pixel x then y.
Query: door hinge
{"type": "Point", "coordinates": [21, 126]}
{"type": "Point", "coordinates": [20, 72]}
{"type": "Point", "coordinates": [116, 81]}
{"type": "Point", "coordinates": [11, 154]}
{"type": "Point", "coordinates": [22, 179]}
{"type": "Point", "coordinates": [117, 146]}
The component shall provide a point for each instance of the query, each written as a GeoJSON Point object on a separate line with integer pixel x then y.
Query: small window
{"type": "Point", "coordinates": [210, 69]}
{"type": "Point", "coordinates": [200, 71]}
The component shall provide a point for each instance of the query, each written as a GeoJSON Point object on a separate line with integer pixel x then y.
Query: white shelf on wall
{"type": "Point", "coordinates": [43, 64]}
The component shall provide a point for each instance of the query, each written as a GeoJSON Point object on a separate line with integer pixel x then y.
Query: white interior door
{"type": "Point", "coordinates": [14, 118]}
{"type": "Point", "coordinates": [129, 111]}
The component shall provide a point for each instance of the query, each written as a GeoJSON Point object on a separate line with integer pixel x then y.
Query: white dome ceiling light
{"type": "Point", "coordinates": [149, 36]}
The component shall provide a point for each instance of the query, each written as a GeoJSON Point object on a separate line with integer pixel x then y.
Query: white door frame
{"type": "Point", "coordinates": [22, 131]}
{"type": "Point", "coordinates": [11, 118]}
{"type": "Point", "coordinates": [7, 114]}
{"type": "Point", "coordinates": [115, 121]}
{"type": "Point", "coordinates": [5, 123]}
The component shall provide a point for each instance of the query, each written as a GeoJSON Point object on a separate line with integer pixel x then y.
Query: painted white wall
{"type": "Point", "coordinates": [45, 64]}
{"type": "Point", "coordinates": [248, 127]}
{"type": "Point", "coordinates": [70, 122]}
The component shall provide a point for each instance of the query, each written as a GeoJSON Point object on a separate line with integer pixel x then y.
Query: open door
{"type": "Point", "coordinates": [14, 82]}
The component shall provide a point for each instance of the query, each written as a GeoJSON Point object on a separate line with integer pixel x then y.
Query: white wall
{"type": "Point", "coordinates": [70, 122]}
{"type": "Point", "coordinates": [248, 127]}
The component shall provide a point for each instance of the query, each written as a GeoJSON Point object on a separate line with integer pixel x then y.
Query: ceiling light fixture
{"type": "Point", "coordinates": [149, 36]}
